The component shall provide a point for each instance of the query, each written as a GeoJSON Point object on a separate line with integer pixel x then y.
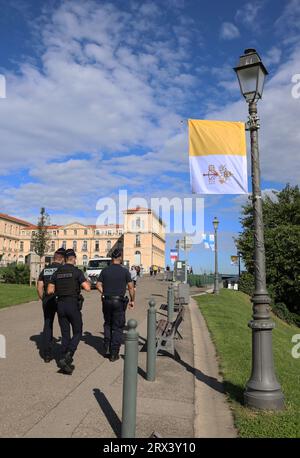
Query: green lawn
{"type": "Point", "coordinates": [227, 316]}
{"type": "Point", "coordinates": [16, 294]}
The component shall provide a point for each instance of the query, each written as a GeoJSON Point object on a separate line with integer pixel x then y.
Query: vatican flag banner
{"type": "Point", "coordinates": [217, 155]}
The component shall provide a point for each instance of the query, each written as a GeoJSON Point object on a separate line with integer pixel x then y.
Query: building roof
{"type": "Point", "coordinates": [14, 220]}
{"type": "Point", "coordinates": [89, 226]}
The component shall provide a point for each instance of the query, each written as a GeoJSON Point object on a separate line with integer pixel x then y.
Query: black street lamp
{"type": "Point", "coordinates": [262, 390]}
{"type": "Point", "coordinates": [216, 285]}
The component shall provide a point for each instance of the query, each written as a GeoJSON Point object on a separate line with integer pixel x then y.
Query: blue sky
{"type": "Point", "coordinates": [98, 94]}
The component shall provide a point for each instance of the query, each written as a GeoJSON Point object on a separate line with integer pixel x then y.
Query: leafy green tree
{"type": "Point", "coordinates": [40, 238]}
{"type": "Point", "coordinates": [282, 244]}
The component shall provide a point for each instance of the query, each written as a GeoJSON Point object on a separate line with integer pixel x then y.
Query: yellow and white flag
{"type": "Point", "coordinates": [217, 154]}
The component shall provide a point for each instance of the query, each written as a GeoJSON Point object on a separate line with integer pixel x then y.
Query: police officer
{"type": "Point", "coordinates": [112, 284]}
{"type": "Point", "coordinates": [49, 302]}
{"type": "Point", "coordinates": [66, 283]}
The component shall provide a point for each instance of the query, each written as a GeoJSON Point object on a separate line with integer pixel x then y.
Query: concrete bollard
{"type": "Point", "coordinates": [170, 303]}
{"type": "Point", "coordinates": [130, 381]}
{"type": "Point", "coordinates": [151, 341]}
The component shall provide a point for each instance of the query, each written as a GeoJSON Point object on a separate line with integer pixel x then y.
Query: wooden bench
{"type": "Point", "coordinates": [166, 332]}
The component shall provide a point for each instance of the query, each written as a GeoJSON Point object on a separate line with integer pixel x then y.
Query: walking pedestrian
{"type": "Point", "coordinates": [111, 284]}
{"type": "Point", "coordinates": [66, 283]}
{"type": "Point", "coordinates": [49, 302]}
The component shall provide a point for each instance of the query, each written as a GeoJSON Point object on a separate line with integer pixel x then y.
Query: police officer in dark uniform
{"type": "Point", "coordinates": [49, 302]}
{"type": "Point", "coordinates": [112, 284]}
{"type": "Point", "coordinates": [66, 283]}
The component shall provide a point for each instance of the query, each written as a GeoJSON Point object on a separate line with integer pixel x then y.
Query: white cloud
{"type": "Point", "coordinates": [248, 14]}
{"type": "Point", "coordinates": [229, 31]}
{"type": "Point", "coordinates": [272, 57]}
{"type": "Point", "coordinates": [289, 21]}
{"type": "Point", "coordinates": [101, 89]}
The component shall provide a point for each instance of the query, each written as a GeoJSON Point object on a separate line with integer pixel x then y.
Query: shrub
{"type": "Point", "coordinates": [246, 283]}
{"type": "Point", "coordinates": [283, 312]}
{"type": "Point", "coordinates": [16, 273]}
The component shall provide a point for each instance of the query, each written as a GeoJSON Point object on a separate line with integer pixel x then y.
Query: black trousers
{"type": "Point", "coordinates": [114, 324]}
{"type": "Point", "coordinates": [49, 309]}
{"type": "Point", "coordinates": [69, 316]}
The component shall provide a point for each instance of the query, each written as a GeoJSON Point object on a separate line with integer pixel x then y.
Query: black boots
{"type": "Point", "coordinates": [48, 355]}
{"type": "Point", "coordinates": [114, 357]}
{"type": "Point", "coordinates": [65, 363]}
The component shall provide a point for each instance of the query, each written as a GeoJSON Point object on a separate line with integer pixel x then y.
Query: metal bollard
{"type": "Point", "coordinates": [151, 341]}
{"type": "Point", "coordinates": [130, 381]}
{"type": "Point", "coordinates": [170, 303]}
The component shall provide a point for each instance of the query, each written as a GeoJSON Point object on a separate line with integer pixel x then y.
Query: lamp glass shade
{"type": "Point", "coordinates": [251, 74]}
{"type": "Point", "coordinates": [216, 223]}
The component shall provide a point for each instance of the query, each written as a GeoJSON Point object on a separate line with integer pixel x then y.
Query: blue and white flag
{"type": "Point", "coordinates": [209, 241]}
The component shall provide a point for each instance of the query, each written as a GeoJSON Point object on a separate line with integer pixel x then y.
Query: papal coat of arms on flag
{"type": "Point", "coordinates": [217, 155]}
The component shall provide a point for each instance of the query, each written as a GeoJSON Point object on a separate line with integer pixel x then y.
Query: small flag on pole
{"type": "Point", "coordinates": [173, 255]}
{"type": "Point", "coordinates": [209, 241]}
{"type": "Point", "coordinates": [234, 260]}
{"type": "Point", "coordinates": [217, 155]}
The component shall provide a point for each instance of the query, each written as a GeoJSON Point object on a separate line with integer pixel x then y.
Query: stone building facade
{"type": "Point", "coordinates": [141, 238]}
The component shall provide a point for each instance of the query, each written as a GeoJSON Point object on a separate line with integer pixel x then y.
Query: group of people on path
{"type": "Point", "coordinates": [59, 287]}
{"type": "Point", "coordinates": [154, 270]}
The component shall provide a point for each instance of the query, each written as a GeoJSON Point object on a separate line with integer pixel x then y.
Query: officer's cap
{"type": "Point", "coordinates": [116, 254]}
{"type": "Point", "coordinates": [60, 251]}
{"type": "Point", "coordinates": [70, 253]}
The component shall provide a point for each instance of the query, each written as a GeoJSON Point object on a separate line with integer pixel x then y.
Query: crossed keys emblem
{"type": "Point", "coordinates": [223, 174]}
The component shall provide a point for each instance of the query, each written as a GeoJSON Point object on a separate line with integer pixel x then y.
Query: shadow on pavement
{"type": "Point", "coordinates": [39, 342]}
{"type": "Point", "coordinates": [95, 342]}
{"type": "Point", "coordinates": [234, 391]}
{"type": "Point", "coordinates": [108, 411]}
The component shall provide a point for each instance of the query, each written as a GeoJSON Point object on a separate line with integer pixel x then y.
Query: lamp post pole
{"type": "Point", "coordinates": [216, 285]}
{"type": "Point", "coordinates": [262, 390]}
{"type": "Point", "coordinates": [239, 261]}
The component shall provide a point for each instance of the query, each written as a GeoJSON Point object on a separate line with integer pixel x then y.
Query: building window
{"type": "Point", "coordinates": [97, 245]}
{"type": "Point", "coordinates": [137, 240]}
{"type": "Point", "coordinates": [21, 246]}
{"type": "Point", "coordinates": [84, 245]}
{"type": "Point", "coordinates": [137, 258]}
{"type": "Point", "coordinates": [138, 223]}
{"type": "Point", "coordinates": [64, 245]}
{"type": "Point", "coordinates": [74, 245]}
{"type": "Point", "coordinates": [52, 245]}
{"type": "Point", "coordinates": [75, 231]}
{"type": "Point", "coordinates": [54, 232]}
{"type": "Point", "coordinates": [65, 232]}
{"type": "Point", "coordinates": [85, 260]}
{"type": "Point", "coordinates": [85, 231]}
{"type": "Point", "coordinates": [108, 245]}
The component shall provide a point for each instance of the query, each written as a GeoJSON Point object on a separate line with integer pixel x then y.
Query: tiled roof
{"type": "Point", "coordinates": [14, 220]}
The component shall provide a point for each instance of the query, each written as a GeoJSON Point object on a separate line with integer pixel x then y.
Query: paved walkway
{"type": "Point", "coordinates": [36, 400]}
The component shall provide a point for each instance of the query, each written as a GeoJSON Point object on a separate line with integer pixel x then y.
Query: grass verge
{"type": "Point", "coordinates": [16, 294]}
{"type": "Point", "coordinates": [227, 316]}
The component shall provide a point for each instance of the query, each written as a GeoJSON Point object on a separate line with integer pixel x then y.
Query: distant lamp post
{"type": "Point", "coordinates": [262, 390]}
{"type": "Point", "coordinates": [216, 286]}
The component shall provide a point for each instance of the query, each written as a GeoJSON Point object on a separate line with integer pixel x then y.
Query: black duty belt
{"type": "Point", "coordinates": [109, 298]}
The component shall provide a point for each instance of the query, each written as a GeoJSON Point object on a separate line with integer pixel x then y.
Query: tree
{"type": "Point", "coordinates": [40, 238]}
{"type": "Point", "coordinates": [282, 244]}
